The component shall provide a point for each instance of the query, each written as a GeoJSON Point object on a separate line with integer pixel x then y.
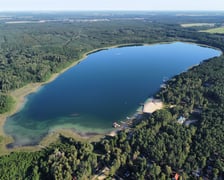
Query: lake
{"type": "Point", "coordinates": [107, 86]}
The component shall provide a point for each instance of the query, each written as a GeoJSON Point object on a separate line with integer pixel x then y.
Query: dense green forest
{"type": "Point", "coordinates": [157, 147]}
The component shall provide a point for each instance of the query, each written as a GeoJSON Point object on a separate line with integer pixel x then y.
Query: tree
{"type": "Point", "coordinates": [168, 170]}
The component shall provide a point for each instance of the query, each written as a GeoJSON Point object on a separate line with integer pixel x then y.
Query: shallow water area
{"type": "Point", "coordinates": [107, 86]}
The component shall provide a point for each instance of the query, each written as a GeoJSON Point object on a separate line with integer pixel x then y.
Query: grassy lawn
{"type": "Point", "coordinates": [219, 30]}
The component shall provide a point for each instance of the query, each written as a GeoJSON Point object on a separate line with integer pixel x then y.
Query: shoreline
{"type": "Point", "coordinates": [19, 95]}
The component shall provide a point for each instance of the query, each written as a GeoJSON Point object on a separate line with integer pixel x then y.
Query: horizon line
{"type": "Point", "coordinates": [66, 10]}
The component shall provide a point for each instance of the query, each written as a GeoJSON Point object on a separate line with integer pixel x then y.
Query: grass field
{"type": "Point", "coordinates": [197, 24]}
{"type": "Point", "coordinates": [219, 30]}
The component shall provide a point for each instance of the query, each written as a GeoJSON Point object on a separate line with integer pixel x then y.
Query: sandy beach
{"type": "Point", "coordinates": [152, 105]}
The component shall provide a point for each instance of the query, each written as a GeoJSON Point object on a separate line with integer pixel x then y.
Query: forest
{"type": "Point", "coordinates": [158, 146]}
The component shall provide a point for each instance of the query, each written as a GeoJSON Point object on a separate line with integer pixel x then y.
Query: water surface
{"type": "Point", "coordinates": [105, 87]}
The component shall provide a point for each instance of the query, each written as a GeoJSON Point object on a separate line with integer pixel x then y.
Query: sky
{"type": "Point", "coordinates": [137, 5]}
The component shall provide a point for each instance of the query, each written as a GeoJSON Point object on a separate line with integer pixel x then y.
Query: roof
{"type": "Point", "coordinates": [176, 177]}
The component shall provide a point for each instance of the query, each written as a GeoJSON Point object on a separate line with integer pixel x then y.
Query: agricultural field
{"type": "Point", "coordinates": [197, 25]}
{"type": "Point", "coordinates": [219, 30]}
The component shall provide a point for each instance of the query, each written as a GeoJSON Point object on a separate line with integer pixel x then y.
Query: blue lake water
{"type": "Point", "coordinates": [105, 87]}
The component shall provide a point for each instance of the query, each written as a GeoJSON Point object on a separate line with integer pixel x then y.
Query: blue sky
{"type": "Point", "coordinates": [14, 5]}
